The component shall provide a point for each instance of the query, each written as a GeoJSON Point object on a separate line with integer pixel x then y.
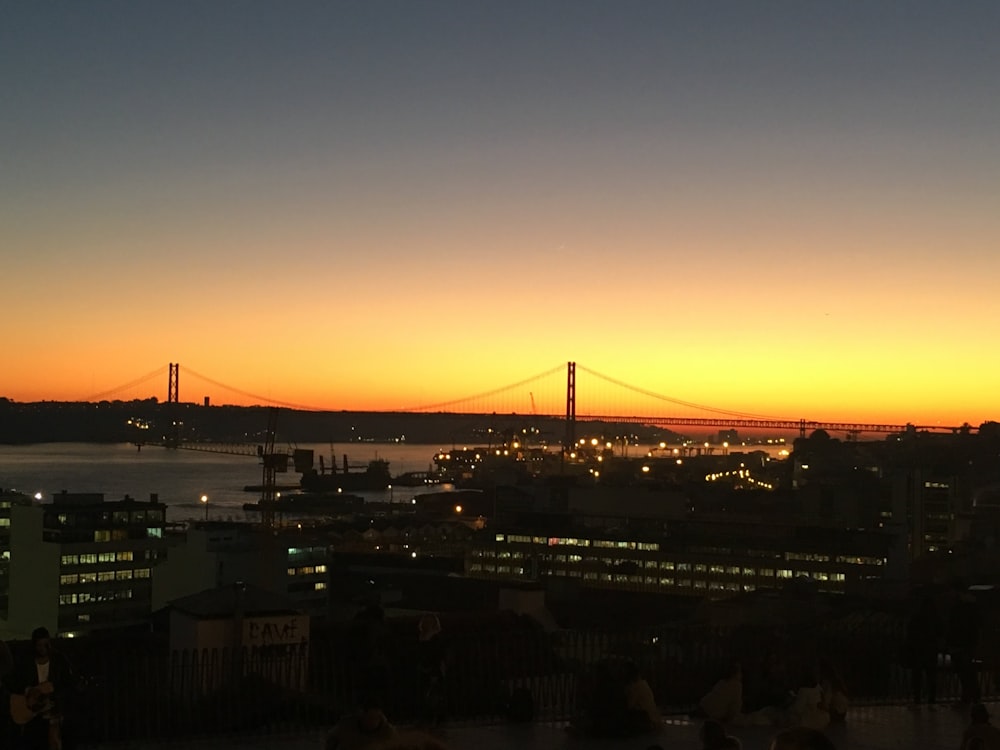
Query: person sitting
{"type": "Point", "coordinates": [834, 693]}
{"type": "Point", "coordinates": [640, 704]}
{"type": "Point", "coordinates": [980, 732]}
{"type": "Point", "coordinates": [801, 738]}
{"type": "Point", "coordinates": [367, 728]}
{"type": "Point", "coordinates": [807, 708]}
{"type": "Point", "coordinates": [724, 702]}
{"type": "Point", "coordinates": [713, 737]}
{"type": "Point", "coordinates": [41, 688]}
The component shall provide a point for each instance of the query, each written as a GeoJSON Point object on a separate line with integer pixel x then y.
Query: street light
{"type": "Point", "coordinates": [204, 501]}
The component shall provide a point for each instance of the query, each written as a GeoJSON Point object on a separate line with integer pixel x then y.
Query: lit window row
{"type": "Point", "coordinates": [307, 570]}
{"type": "Point", "coordinates": [556, 541]}
{"type": "Point", "coordinates": [91, 598]}
{"type": "Point", "coordinates": [93, 558]}
{"type": "Point", "coordinates": [70, 579]}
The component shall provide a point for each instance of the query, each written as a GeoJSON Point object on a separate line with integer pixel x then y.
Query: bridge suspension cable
{"type": "Point", "coordinates": [253, 396]}
{"type": "Point", "coordinates": [157, 373]}
{"type": "Point", "coordinates": [671, 400]}
{"type": "Point", "coordinates": [486, 394]}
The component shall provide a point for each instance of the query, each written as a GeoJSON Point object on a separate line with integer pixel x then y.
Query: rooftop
{"type": "Point", "coordinates": [223, 602]}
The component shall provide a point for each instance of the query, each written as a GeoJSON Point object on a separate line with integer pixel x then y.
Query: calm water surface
{"type": "Point", "coordinates": [181, 477]}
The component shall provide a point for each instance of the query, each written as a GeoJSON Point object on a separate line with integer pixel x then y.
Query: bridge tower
{"type": "Point", "coordinates": [172, 438]}
{"type": "Point", "coordinates": [173, 384]}
{"type": "Point", "coordinates": [570, 439]}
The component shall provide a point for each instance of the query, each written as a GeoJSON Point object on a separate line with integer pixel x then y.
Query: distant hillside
{"type": "Point", "coordinates": [116, 421]}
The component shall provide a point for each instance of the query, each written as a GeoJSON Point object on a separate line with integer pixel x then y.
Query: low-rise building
{"type": "Point", "coordinates": [692, 558]}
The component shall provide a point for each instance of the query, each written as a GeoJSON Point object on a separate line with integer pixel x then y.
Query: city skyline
{"type": "Point", "coordinates": [783, 209]}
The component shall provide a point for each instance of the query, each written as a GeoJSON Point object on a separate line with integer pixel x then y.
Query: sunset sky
{"type": "Point", "coordinates": [782, 208]}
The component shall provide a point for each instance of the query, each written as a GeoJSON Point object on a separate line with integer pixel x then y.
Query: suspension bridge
{"type": "Point", "coordinates": [552, 394]}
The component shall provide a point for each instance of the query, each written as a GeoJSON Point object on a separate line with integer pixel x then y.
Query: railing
{"type": "Point", "coordinates": [141, 690]}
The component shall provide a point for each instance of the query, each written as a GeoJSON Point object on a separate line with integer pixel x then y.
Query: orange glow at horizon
{"type": "Point", "coordinates": [807, 231]}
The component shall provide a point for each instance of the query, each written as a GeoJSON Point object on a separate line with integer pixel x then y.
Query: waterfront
{"type": "Point", "coordinates": [180, 477]}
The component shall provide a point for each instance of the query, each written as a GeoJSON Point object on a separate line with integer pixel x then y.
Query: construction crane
{"type": "Point", "coordinates": [271, 463]}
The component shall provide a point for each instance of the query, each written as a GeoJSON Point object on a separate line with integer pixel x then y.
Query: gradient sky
{"type": "Point", "coordinates": [786, 208]}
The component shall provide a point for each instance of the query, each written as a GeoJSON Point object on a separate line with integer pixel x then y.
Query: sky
{"type": "Point", "coordinates": [782, 208]}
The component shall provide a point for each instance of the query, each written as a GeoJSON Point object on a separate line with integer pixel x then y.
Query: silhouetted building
{"type": "Point", "coordinates": [692, 558]}
{"type": "Point", "coordinates": [8, 499]}
{"type": "Point", "coordinates": [82, 563]}
{"type": "Point", "coordinates": [291, 562]}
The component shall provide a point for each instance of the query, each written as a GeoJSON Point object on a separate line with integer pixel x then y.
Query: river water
{"type": "Point", "coordinates": [181, 477]}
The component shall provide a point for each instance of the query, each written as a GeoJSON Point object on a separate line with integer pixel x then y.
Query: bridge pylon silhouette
{"type": "Point", "coordinates": [707, 416]}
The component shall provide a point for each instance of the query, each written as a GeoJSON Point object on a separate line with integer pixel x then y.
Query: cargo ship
{"type": "Point", "coordinates": [375, 476]}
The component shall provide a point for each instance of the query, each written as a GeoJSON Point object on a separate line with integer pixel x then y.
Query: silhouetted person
{"type": "Point", "coordinates": [801, 738]}
{"type": "Point", "coordinates": [642, 713]}
{"type": "Point", "coordinates": [431, 670]}
{"type": "Point", "coordinates": [713, 737]}
{"type": "Point", "coordinates": [724, 702]}
{"type": "Point", "coordinates": [6, 725]}
{"type": "Point", "coordinates": [923, 640]}
{"type": "Point", "coordinates": [367, 727]}
{"type": "Point", "coordinates": [806, 709]}
{"type": "Point", "coordinates": [980, 733]}
{"type": "Point", "coordinates": [46, 682]}
{"type": "Point", "coordinates": [835, 700]}
{"type": "Point", "coordinates": [369, 643]}
{"type": "Point", "coordinates": [963, 640]}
